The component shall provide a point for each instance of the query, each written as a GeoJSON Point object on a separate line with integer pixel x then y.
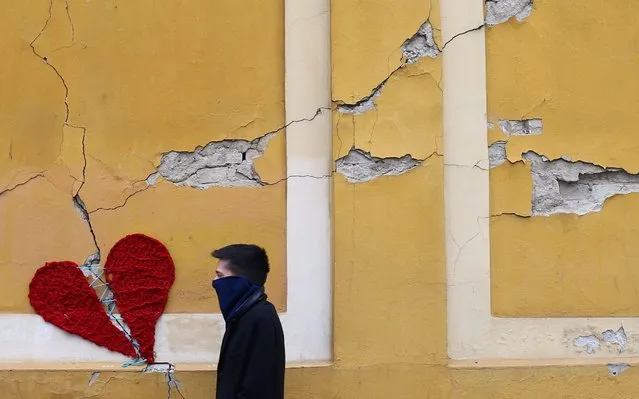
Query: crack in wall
{"type": "Point", "coordinates": [421, 44]}
{"type": "Point", "coordinates": [20, 184]}
{"type": "Point", "coordinates": [224, 163]}
{"type": "Point", "coordinates": [168, 369]}
{"type": "Point", "coordinates": [563, 186]}
{"type": "Point", "coordinates": [523, 127]}
{"type": "Point", "coordinates": [77, 201]}
{"type": "Point", "coordinates": [94, 377]}
{"type": "Point", "coordinates": [359, 166]}
{"type": "Point", "coordinates": [79, 205]}
{"type": "Point", "coordinates": [365, 104]}
{"type": "Point", "coordinates": [500, 11]}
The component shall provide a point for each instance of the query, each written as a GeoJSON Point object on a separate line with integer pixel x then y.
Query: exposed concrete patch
{"type": "Point", "coordinates": [421, 44]}
{"type": "Point", "coordinates": [616, 338]}
{"type": "Point", "coordinates": [500, 11]}
{"type": "Point", "coordinates": [524, 127]}
{"type": "Point", "coordinates": [617, 368]}
{"type": "Point", "coordinates": [359, 166]}
{"type": "Point", "coordinates": [562, 186]}
{"type": "Point", "coordinates": [589, 343]}
{"type": "Point", "coordinates": [496, 154]}
{"type": "Point", "coordinates": [225, 163]}
{"type": "Point", "coordinates": [365, 104]}
{"type": "Point", "coordinates": [613, 341]}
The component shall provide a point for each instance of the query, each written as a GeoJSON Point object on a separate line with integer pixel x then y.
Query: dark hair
{"type": "Point", "coordinates": [246, 260]}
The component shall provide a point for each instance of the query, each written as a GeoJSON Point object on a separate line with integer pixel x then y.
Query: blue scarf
{"type": "Point", "coordinates": [232, 292]}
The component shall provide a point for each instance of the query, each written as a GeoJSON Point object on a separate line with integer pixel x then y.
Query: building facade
{"type": "Point", "coordinates": [445, 189]}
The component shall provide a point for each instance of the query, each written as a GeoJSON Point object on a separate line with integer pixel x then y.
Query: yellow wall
{"type": "Point", "coordinates": [575, 68]}
{"type": "Point", "coordinates": [389, 292]}
{"type": "Point", "coordinates": [139, 79]}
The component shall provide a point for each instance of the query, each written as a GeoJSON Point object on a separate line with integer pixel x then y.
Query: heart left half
{"type": "Point", "coordinates": [60, 293]}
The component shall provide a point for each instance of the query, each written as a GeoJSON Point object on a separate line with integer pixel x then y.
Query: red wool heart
{"type": "Point", "coordinates": [140, 272]}
{"type": "Point", "coordinates": [60, 293]}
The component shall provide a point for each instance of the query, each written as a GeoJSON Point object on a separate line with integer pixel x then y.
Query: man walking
{"type": "Point", "coordinates": [252, 358]}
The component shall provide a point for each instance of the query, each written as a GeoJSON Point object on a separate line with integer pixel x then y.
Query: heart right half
{"type": "Point", "coordinates": [140, 273]}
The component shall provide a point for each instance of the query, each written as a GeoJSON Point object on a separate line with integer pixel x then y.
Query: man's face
{"type": "Point", "coordinates": [223, 269]}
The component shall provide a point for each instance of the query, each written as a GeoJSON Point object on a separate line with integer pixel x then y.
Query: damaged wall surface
{"type": "Point", "coordinates": [109, 104]}
{"type": "Point", "coordinates": [563, 169]}
{"type": "Point", "coordinates": [169, 119]}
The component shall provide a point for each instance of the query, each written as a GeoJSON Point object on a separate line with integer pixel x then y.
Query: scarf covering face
{"type": "Point", "coordinates": [232, 292]}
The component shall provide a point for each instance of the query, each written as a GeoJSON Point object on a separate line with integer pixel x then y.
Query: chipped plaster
{"type": "Point", "coordinates": [421, 44]}
{"type": "Point", "coordinates": [523, 127]}
{"type": "Point", "coordinates": [563, 186]}
{"type": "Point", "coordinates": [225, 163]}
{"type": "Point", "coordinates": [497, 153]}
{"type": "Point", "coordinates": [500, 11]}
{"type": "Point", "coordinates": [359, 166]}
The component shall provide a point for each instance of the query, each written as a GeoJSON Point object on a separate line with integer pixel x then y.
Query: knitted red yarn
{"type": "Point", "coordinates": [60, 293]}
{"type": "Point", "coordinates": [140, 272]}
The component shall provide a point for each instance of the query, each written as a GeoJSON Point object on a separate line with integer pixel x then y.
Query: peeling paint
{"type": "Point", "coordinates": [359, 166]}
{"type": "Point", "coordinates": [496, 154]}
{"type": "Point", "coordinates": [562, 186]}
{"type": "Point", "coordinates": [225, 163]}
{"type": "Point", "coordinates": [500, 11]}
{"type": "Point", "coordinates": [616, 338]}
{"type": "Point", "coordinates": [589, 343]}
{"type": "Point", "coordinates": [617, 368]}
{"type": "Point", "coordinates": [421, 44]}
{"type": "Point", "coordinates": [523, 127]}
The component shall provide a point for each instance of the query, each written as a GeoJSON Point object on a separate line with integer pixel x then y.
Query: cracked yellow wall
{"type": "Point", "coordinates": [93, 93]}
{"type": "Point", "coordinates": [575, 68]}
{"type": "Point", "coordinates": [389, 263]}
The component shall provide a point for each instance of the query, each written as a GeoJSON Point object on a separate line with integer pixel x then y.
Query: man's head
{"type": "Point", "coordinates": [244, 260]}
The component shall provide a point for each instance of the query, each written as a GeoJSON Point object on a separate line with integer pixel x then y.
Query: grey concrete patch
{"type": "Point", "coordinates": [359, 166]}
{"type": "Point", "coordinates": [562, 186]}
{"type": "Point", "coordinates": [500, 11]}
{"type": "Point", "coordinates": [523, 127]}
{"type": "Point", "coordinates": [589, 343]}
{"type": "Point", "coordinates": [225, 163]}
{"type": "Point", "coordinates": [421, 44]}
{"type": "Point", "coordinates": [617, 368]}
{"type": "Point", "coordinates": [496, 154]}
{"type": "Point", "coordinates": [616, 338]}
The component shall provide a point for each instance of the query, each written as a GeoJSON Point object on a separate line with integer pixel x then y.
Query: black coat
{"type": "Point", "coordinates": [252, 359]}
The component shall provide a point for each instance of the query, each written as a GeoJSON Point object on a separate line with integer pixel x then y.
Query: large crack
{"type": "Point", "coordinates": [77, 201]}
{"type": "Point", "coordinates": [421, 44]}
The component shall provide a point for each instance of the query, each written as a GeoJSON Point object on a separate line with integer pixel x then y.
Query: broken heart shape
{"type": "Point", "coordinates": [139, 271]}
